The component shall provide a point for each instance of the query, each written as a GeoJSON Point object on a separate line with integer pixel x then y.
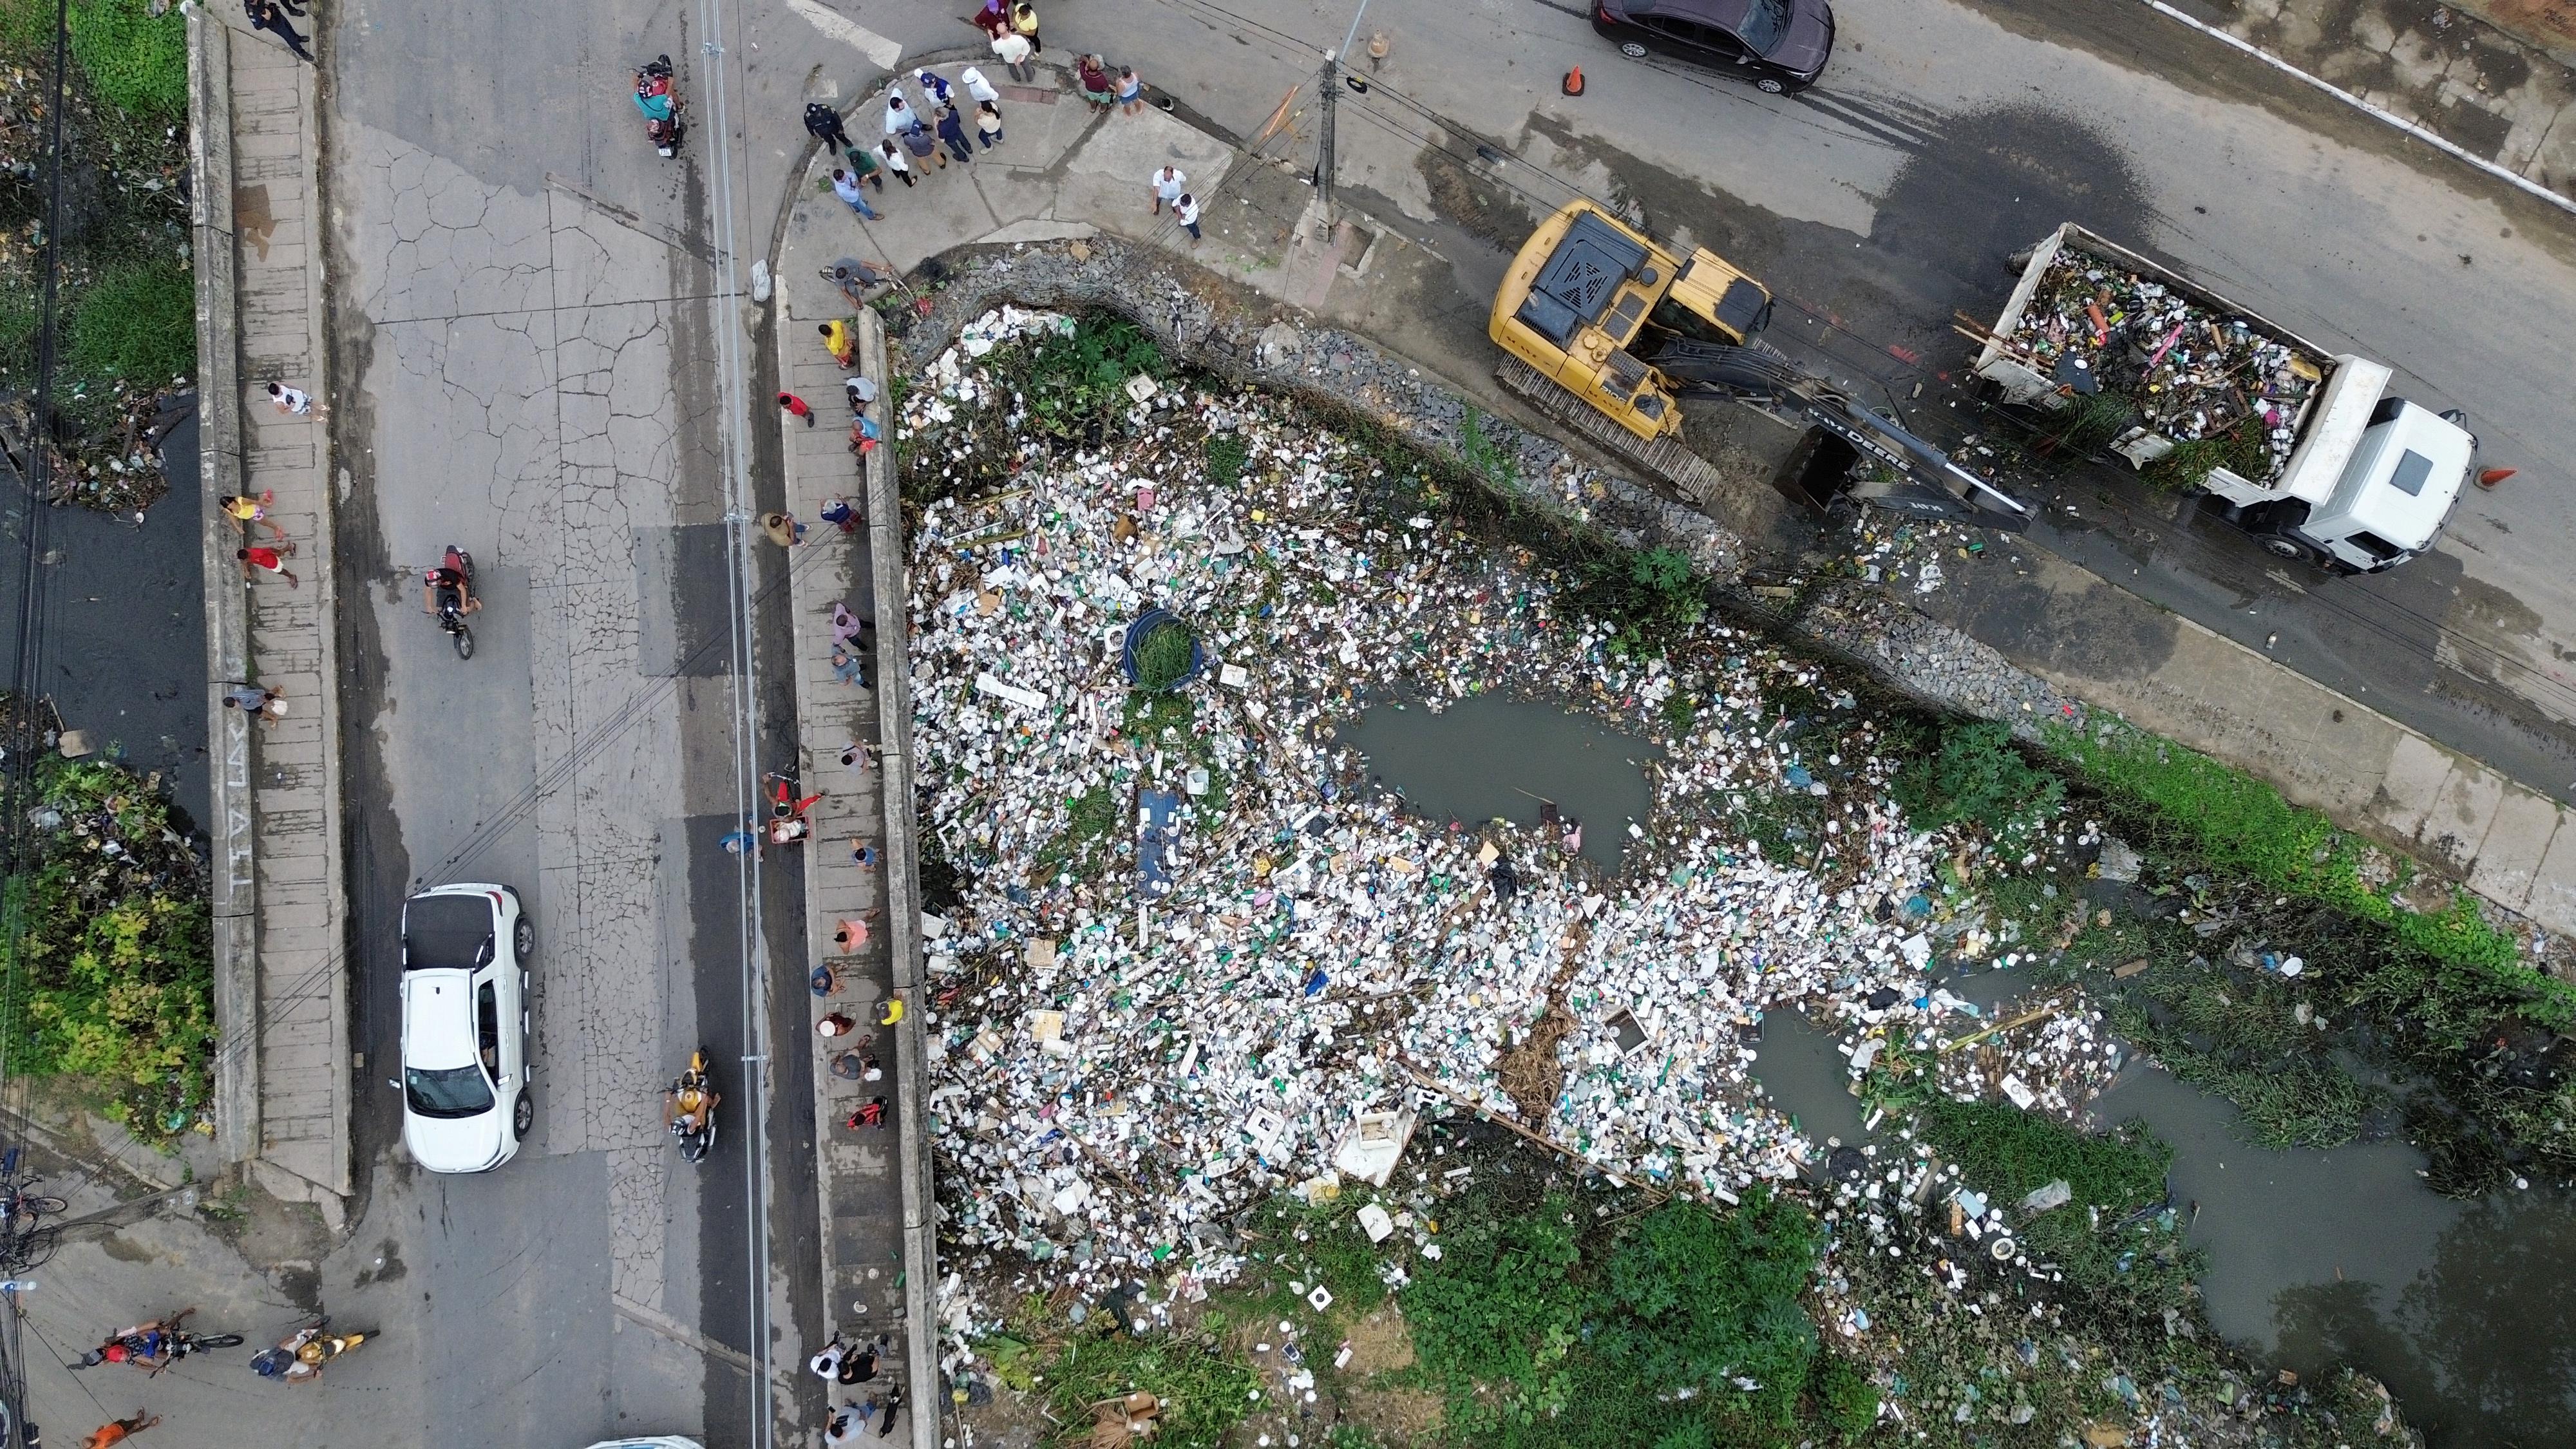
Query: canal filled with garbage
{"type": "Point", "coordinates": [1260, 766]}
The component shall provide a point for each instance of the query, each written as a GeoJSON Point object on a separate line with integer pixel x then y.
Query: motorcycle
{"type": "Point", "coordinates": [449, 600]}
{"type": "Point", "coordinates": [155, 1346]}
{"type": "Point", "coordinates": [690, 1106]}
{"type": "Point", "coordinates": [302, 1354]}
{"type": "Point", "coordinates": [665, 114]}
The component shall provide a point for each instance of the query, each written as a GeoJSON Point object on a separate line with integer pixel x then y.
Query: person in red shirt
{"type": "Point", "coordinates": [265, 558]}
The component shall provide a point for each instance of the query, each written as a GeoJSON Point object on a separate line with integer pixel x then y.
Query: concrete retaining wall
{"type": "Point", "coordinates": [219, 433]}
{"type": "Point", "coordinates": [903, 902]}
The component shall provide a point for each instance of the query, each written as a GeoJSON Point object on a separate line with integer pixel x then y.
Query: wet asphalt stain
{"type": "Point", "coordinates": [388, 1268]}
{"type": "Point", "coordinates": [2103, 633]}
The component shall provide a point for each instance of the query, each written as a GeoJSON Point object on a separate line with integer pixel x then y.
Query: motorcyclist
{"type": "Point", "coordinates": [150, 1345]}
{"type": "Point", "coordinates": [289, 1360]}
{"type": "Point", "coordinates": [688, 1106]}
{"type": "Point", "coordinates": [448, 576]}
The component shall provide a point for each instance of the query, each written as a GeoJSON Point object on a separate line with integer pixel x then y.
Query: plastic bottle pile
{"type": "Point", "coordinates": [2191, 373]}
{"type": "Point", "coordinates": [1113, 1074]}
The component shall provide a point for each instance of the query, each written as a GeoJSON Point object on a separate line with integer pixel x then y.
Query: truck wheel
{"type": "Point", "coordinates": [2283, 547]}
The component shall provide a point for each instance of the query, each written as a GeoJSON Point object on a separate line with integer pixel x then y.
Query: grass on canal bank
{"type": "Point", "coordinates": [125, 294]}
{"type": "Point", "coordinates": [108, 945]}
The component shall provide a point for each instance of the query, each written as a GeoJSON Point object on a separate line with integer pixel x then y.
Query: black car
{"type": "Point", "coordinates": [1779, 45]}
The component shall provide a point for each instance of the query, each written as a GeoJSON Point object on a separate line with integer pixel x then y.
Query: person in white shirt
{"type": "Point", "coordinates": [1013, 51]}
{"type": "Point", "coordinates": [1186, 212]}
{"type": "Point", "coordinates": [899, 117]}
{"type": "Point", "coordinates": [1167, 184]}
{"type": "Point", "coordinates": [978, 87]}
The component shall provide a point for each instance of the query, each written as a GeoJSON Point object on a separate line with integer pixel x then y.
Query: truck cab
{"type": "Point", "coordinates": [2369, 487]}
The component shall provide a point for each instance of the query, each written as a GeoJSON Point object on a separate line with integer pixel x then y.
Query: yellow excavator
{"type": "Point", "coordinates": [1604, 330]}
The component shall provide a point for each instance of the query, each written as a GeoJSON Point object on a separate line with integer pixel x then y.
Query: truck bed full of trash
{"type": "Point", "coordinates": [1123, 1060]}
{"type": "Point", "coordinates": [2095, 325]}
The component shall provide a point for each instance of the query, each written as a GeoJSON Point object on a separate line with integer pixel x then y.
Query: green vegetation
{"type": "Point", "coordinates": [126, 315]}
{"type": "Point", "coordinates": [1076, 382]}
{"type": "Point", "coordinates": [1204, 1393]}
{"type": "Point", "coordinates": [1497, 469]}
{"type": "Point", "coordinates": [1225, 455]}
{"type": "Point", "coordinates": [1089, 835]}
{"type": "Point", "coordinates": [136, 324]}
{"type": "Point", "coordinates": [2243, 451]}
{"type": "Point", "coordinates": [2088, 424]}
{"type": "Point", "coordinates": [1979, 779]}
{"type": "Point", "coordinates": [1646, 596]}
{"type": "Point", "coordinates": [1163, 656]}
{"type": "Point", "coordinates": [108, 939]}
{"type": "Point", "coordinates": [1644, 1333]}
{"type": "Point", "coordinates": [2229, 819]}
{"type": "Point", "coordinates": [2248, 1039]}
{"type": "Point", "coordinates": [136, 61]}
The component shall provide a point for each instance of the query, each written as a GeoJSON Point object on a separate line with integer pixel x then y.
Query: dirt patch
{"type": "Point", "coordinates": [1473, 202]}
{"type": "Point", "coordinates": [1530, 1073]}
{"type": "Point", "coordinates": [1380, 1343]}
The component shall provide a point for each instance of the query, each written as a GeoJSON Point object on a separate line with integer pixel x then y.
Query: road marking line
{"type": "Point", "coordinates": [884, 52]}
{"type": "Point", "coordinates": [2348, 98]}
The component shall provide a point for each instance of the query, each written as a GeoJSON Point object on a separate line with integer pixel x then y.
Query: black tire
{"type": "Point", "coordinates": [38, 1204]}
{"type": "Point", "coordinates": [219, 1340]}
{"type": "Point", "coordinates": [523, 938]}
{"type": "Point", "coordinates": [464, 638]}
{"type": "Point", "coordinates": [2282, 546]}
{"type": "Point", "coordinates": [1632, 50]}
{"type": "Point", "coordinates": [1770, 87]}
{"type": "Point", "coordinates": [523, 1116]}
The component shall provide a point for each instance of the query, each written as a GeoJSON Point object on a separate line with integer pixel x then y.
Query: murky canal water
{"type": "Point", "coordinates": [2467, 1311]}
{"type": "Point", "coordinates": [1486, 757]}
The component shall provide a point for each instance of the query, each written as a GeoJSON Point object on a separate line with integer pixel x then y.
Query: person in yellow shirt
{"type": "Point", "coordinates": [844, 343]}
{"type": "Point", "coordinates": [247, 511]}
{"type": "Point", "coordinates": [893, 1011]}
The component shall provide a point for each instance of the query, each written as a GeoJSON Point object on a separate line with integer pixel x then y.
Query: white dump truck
{"type": "Point", "coordinates": [2307, 449]}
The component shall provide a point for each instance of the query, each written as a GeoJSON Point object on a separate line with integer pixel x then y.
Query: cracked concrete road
{"type": "Point", "coordinates": [526, 328]}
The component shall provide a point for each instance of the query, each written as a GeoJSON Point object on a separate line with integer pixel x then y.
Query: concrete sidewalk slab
{"type": "Point", "coordinates": [284, 1071]}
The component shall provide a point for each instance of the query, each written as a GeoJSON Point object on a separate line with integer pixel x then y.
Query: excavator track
{"type": "Point", "coordinates": [1666, 459]}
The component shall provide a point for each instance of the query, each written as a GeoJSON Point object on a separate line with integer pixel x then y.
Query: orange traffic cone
{"type": "Point", "coordinates": [2492, 476]}
{"type": "Point", "coordinates": [1574, 81]}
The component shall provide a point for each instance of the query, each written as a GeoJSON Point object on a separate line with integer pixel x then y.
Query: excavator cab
{"type": "Point", "coordinates": [1622, 326]}
{"type": "Point", "coordinates": [1589, 302]}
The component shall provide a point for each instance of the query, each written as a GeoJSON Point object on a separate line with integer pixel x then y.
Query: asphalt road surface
{"type": "Point", "coordinates": [539, 362]}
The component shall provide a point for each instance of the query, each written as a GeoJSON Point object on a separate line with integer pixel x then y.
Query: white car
{"type": "Point", "coordinates": [465, 1027]}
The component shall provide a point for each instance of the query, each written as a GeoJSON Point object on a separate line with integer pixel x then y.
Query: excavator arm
{"type": "Point", "coordinates": [1924, 481]}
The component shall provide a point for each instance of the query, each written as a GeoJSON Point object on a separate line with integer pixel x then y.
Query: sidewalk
{"type": "Point", "coordinates": [2491, 77]}
{"type": "Point", "coordinates": [862, 1203]}
{"type": "Point", "coordinates": [284, 1014]}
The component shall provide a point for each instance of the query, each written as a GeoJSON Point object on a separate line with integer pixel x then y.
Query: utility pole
{"type": "Point", "coordinates": [1332, 94]}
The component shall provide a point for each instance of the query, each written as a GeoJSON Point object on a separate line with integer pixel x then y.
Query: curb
{"type": "Point", "coordinates": [235, 885]}
{"type": "Point", "coordinates": [2382, 113]}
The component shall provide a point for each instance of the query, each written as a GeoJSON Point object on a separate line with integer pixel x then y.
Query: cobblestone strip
{"type": "Point", "coordinates": [867, 1279]}
{"type": "Point", "coordinates": [301, 906]}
